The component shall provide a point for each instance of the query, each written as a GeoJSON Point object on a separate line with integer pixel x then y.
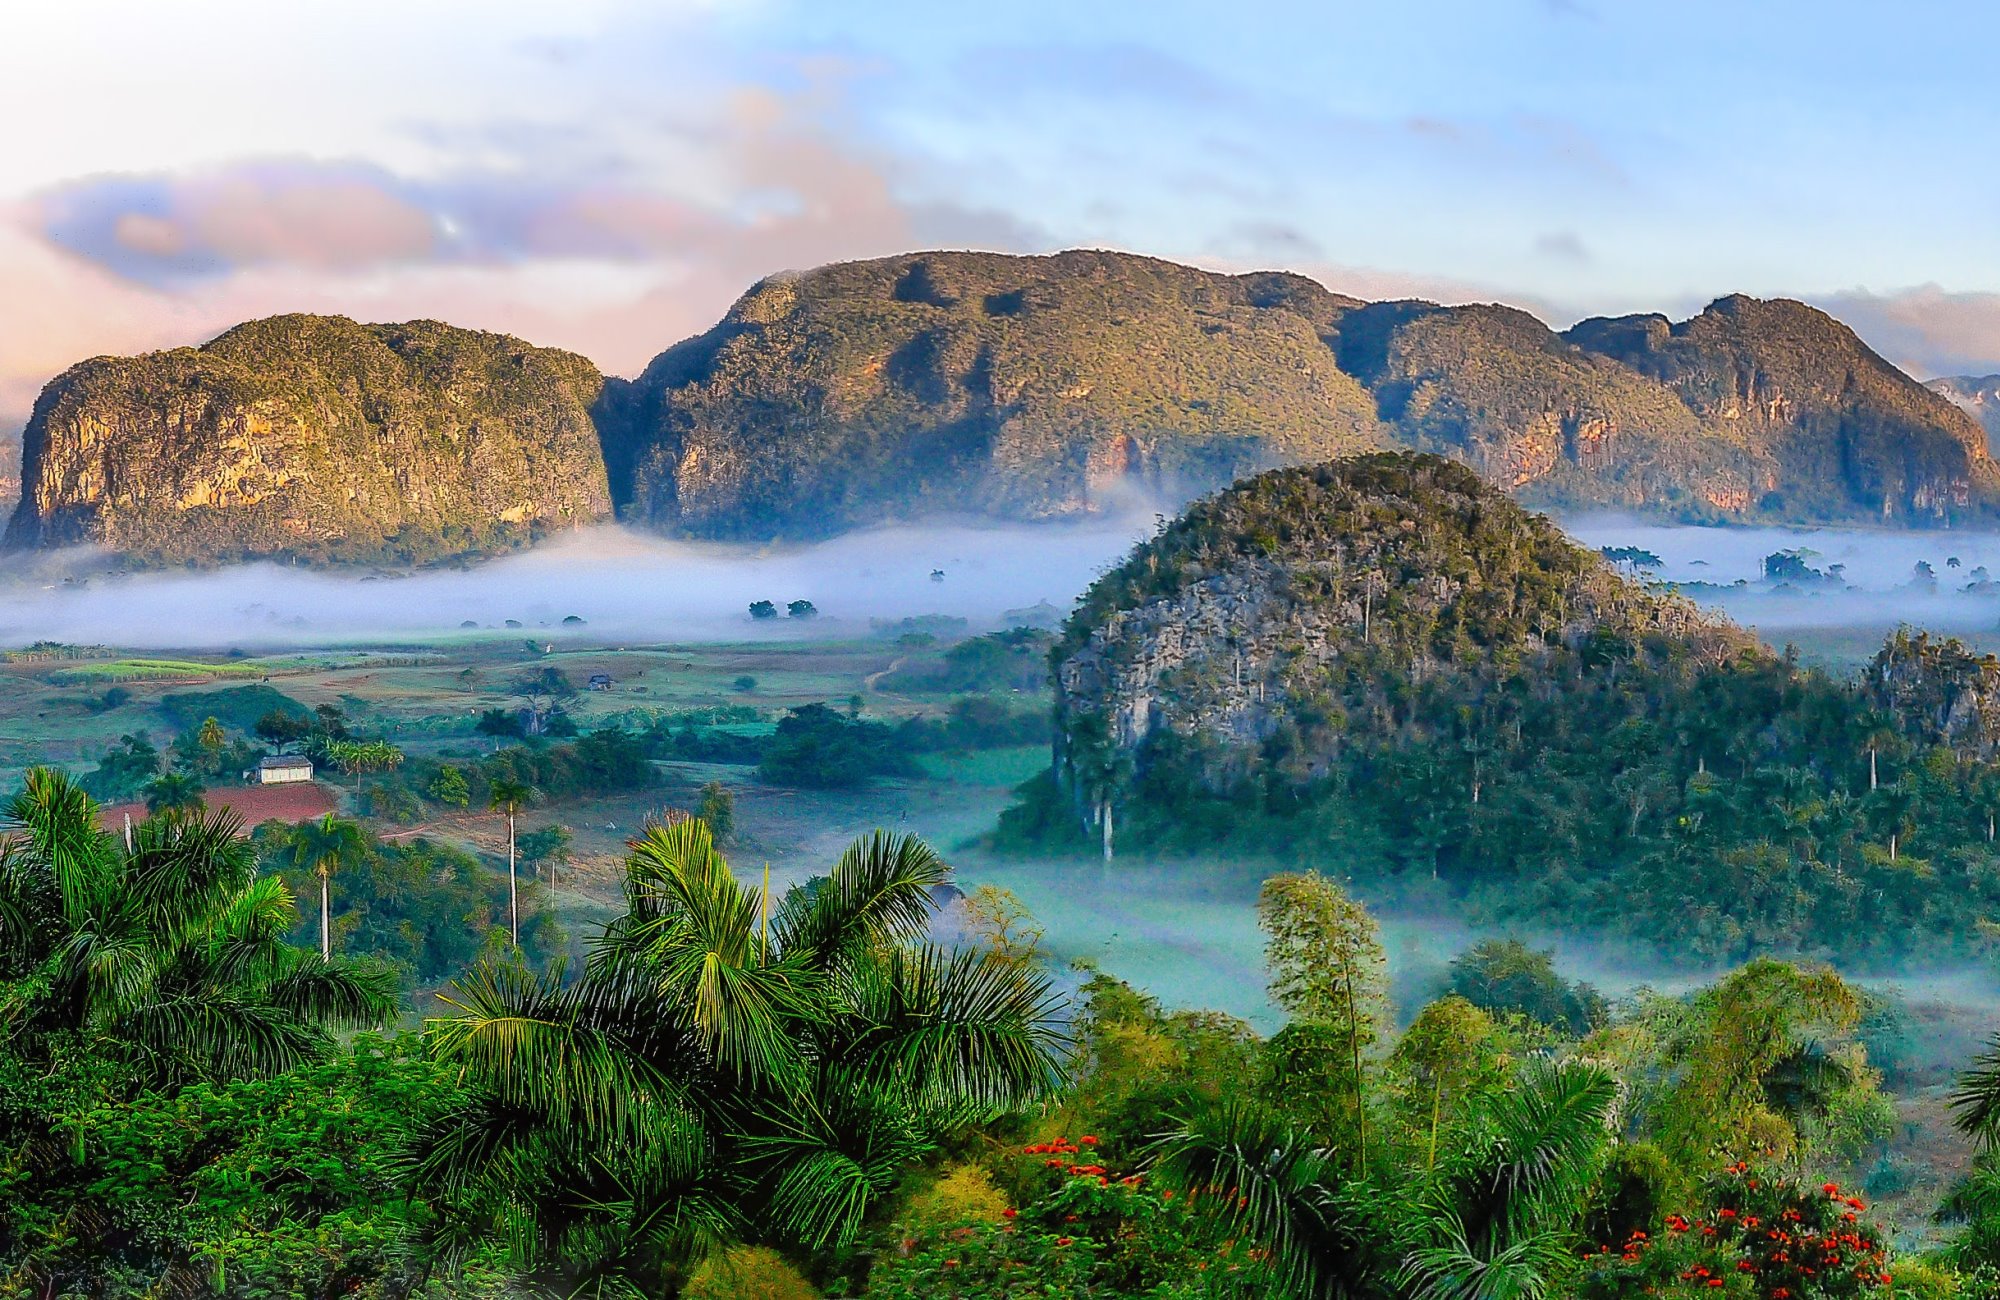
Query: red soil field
{"type": "Point", "coordinates": [253, 803]}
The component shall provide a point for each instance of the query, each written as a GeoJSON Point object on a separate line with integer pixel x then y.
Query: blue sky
{"type": "Point", "coordinates": [607, 175]}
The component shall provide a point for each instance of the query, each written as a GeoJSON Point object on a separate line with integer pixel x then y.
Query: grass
{"type": "Point", "coordinates": [986, 767]}
{"type": "Point", "coordinates": [152, 670]}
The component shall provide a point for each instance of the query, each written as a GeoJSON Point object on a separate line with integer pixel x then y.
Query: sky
{"type": "Point", "coordinates": [608, 176]}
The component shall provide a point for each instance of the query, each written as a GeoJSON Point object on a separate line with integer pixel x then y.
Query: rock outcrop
{"type": "Point", "coordinates": [315, 438]}
{"type": "Point", "coordinates": [1282, 619]}
{"type": "Point", "coordinates": [1977, 395]}
{"type": "Point", "coordinates": [1021, 388]}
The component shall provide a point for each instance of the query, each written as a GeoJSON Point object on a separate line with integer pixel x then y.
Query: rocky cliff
{"type": "Point", "coordinates": [1015, 387]}
{"type": "Point", "coordinates": [317, 438]}
{"type": "Point", "coordinates": [1045, 386]}
{"type": "Point", "coordinates": [1024, 387]}
{"type": "Point", "coordinates": [1298, 614]}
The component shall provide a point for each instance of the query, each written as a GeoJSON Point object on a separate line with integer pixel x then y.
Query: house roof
{"type": "Point", "coordinates": [285, 760]}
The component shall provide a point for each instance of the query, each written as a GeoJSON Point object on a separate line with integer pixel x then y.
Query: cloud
{"type": "Point", "coordinates": [1562, 246]}
{"type": "Point", "coordinates": [1926, 330]}
{"type": "Point", "coordinates": [612, 257]}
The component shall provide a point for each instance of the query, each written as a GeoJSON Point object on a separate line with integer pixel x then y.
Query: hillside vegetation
{"type": "Point", "coordinates": [315, 438]}
{"type": "Point", "coordinates": [1385, 667]}
{"type": "Point", "coordinates": [1014, 387]}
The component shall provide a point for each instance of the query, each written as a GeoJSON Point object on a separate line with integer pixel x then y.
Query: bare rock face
{"type": "Point", "coordinates": [315, 438]}
{"type": "Point", "coordinates": [1043, 387]}
{"type": "Point", "coordinates": [1827, 427]}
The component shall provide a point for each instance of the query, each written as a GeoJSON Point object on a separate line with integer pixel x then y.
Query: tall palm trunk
{"type": "Point", "coordinates": [513, 898]}
{"type": "Point", "coordinates": [325, 932]}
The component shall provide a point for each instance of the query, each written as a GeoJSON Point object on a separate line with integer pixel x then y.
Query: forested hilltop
{"type": "Point", "coordinates": [314, 438]}
{"type": "Point", "coordinates": [1385, 668]}
{"type": "Point", "coordinates": [1013, 387]}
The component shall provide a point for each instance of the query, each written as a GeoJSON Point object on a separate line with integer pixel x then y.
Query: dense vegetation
{"type": "Point", "coordinates": [737, 1099]}
{"type": "Point", "coordinates": [1018, 387]}
{"type": "Point", "coordinates": [302, 437]}
{"type": "Point", "coordinates": [1385, 668]}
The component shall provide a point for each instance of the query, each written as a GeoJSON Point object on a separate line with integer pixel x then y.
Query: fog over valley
{"type": "Point", "coordinates": [623, 584]}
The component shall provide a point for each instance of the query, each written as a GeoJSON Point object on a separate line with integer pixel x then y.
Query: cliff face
{"type": "Point", "coordinates": [1016, 387]}
{"type": "Point", "coordinates": [1024, 387]}
{"type": "Point", "coordinates": [317, 438]}
{"type": "Point", "coordinates": [1832, 428]}
{"type": "Point", "coordinates": [1046, 386]}
{"type": "Point", "coordinates": [1258, 630]}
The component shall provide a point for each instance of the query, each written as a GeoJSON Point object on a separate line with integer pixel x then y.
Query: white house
{"type": "Point", "coordinates": [284, 769]}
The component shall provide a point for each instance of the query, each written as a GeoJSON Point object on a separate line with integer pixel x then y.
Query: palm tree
{"type": "Point", "coordinates": [174, 792]}
{"type": "Point", "coordinates": [1497, 1219]}
{"type": "Point", "coordinates": [509, 796]}
{"type": "Point", "coordinates": [169, 956]}
{"type": "Point", "coordinates": [705, 1079]}
{"type": "Point", "coordinates": [323, 847]}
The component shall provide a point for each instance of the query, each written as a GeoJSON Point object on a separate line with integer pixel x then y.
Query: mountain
{"type": "Point", "coordinates": [1385, 668]}
{"type": "Point", "coordinates": [316, 438]}
{"type": "Point", "coordinates": [1036, 387]}
{"type": "Point", "coordinates": [1013, 387]}
{"type": "Point", "coordinates": [1022, 387]}
{"type": "Point", "coordinates": [1976, 395]}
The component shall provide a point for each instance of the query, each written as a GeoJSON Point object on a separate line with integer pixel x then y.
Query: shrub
{"type": "Point", "coordinates": [747, 1273]}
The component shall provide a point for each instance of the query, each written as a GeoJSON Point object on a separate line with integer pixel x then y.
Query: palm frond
{"type": "Point", "coordinates": [61, 825]}
{"type": "Point", "coordinates": [955, 1024]}
{"type": "Point", "coordinates": [1975, 1102]}
{"type": "Point", "coordinates": [1242, 1162]}
{"type": "Point", "coordinates": [1529, 1268]}
{"type": "Point", "coordinates": [879, 893]}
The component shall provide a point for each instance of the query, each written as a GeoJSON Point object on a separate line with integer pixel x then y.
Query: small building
{"type": "Point", "coordinates": [599, 682]}
{"type": "Point", "coordinates": [284, 769]}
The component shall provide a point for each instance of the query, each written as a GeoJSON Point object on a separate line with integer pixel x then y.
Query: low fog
{"type": "Point", "coordinates": [1878, 588]}
{"type": "Point", "coordinates": [631, 586]}
{"type": "Point", "coordinates": [624, 585]}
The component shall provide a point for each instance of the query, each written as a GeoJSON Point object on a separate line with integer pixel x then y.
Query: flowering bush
{"type": "Point", "coordinates": [1767, 1237]}
{"type": "Point", "coordinates": [1090, 1231]}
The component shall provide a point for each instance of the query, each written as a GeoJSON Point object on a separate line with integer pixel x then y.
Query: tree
{"type": "Point", "coordinates": [718, 809]}
{"type": "Point", "coordinates": [1448, 1051]}
{"type": "Point", "coordinates": [169, 957]}
{"type": "Point", "coordinates": [358, 757]}
{"type": "Point", "coordinates": [174, 792]}
{"type": "Point", "coordinates": [1507, 975]}
{"type": "Point", "coordinates": [1327, 967]}
{"type": "Point", "coordinates": [801, 609]}
{"type": "Point", "coordinates": [323, 847]}
{"type": "Point", "coordinates": [508, 797]}
{"type": "Point", "coordinates": [763, 609]}
{"type": "Point", "coordinates": [211, 737]}
{"type": "Point", "coordinates": [548, 847]}
{"type": "Point", "coordinates": [281, 728]}
{"type": "Point", "coordinates": [124, 771]}
{"type": "Point", "coordinates": [709, 1079]}
{"type": "Point", "coordinates": [448, 787]}
{"type": "Point", "coordinates": [500, 724]}
{"type": "Point", "coordinates": [1002, 923]}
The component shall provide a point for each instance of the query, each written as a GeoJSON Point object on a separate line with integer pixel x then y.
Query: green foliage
{"type": "Point", "coordinates": [820, 748]}
{"type": "Point", "coordinates": [718, 809]}
{"type": "Point", "coordinates": [698, 1085]}
{"type": "Point", "coordinates": [240, 708]}
{"type": "Point", "coordinates": [125, 771]}
{"type": "Point", "coordinates": [1438, 686]}
{"type": "Point", "coordinates": [1505, 975]}
{"type": "Point", "coordinates": [285, 1185]}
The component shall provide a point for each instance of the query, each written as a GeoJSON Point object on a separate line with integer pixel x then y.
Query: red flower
{"type": "Point", "coordinates": [1831, 1189]}
{"type": "Point", "coordinates": [1009, 1213]}
{"type": "Point", "coordinates": [1064, 1241]}
{"type": "Point", "coordinates": [1088, 1140]}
